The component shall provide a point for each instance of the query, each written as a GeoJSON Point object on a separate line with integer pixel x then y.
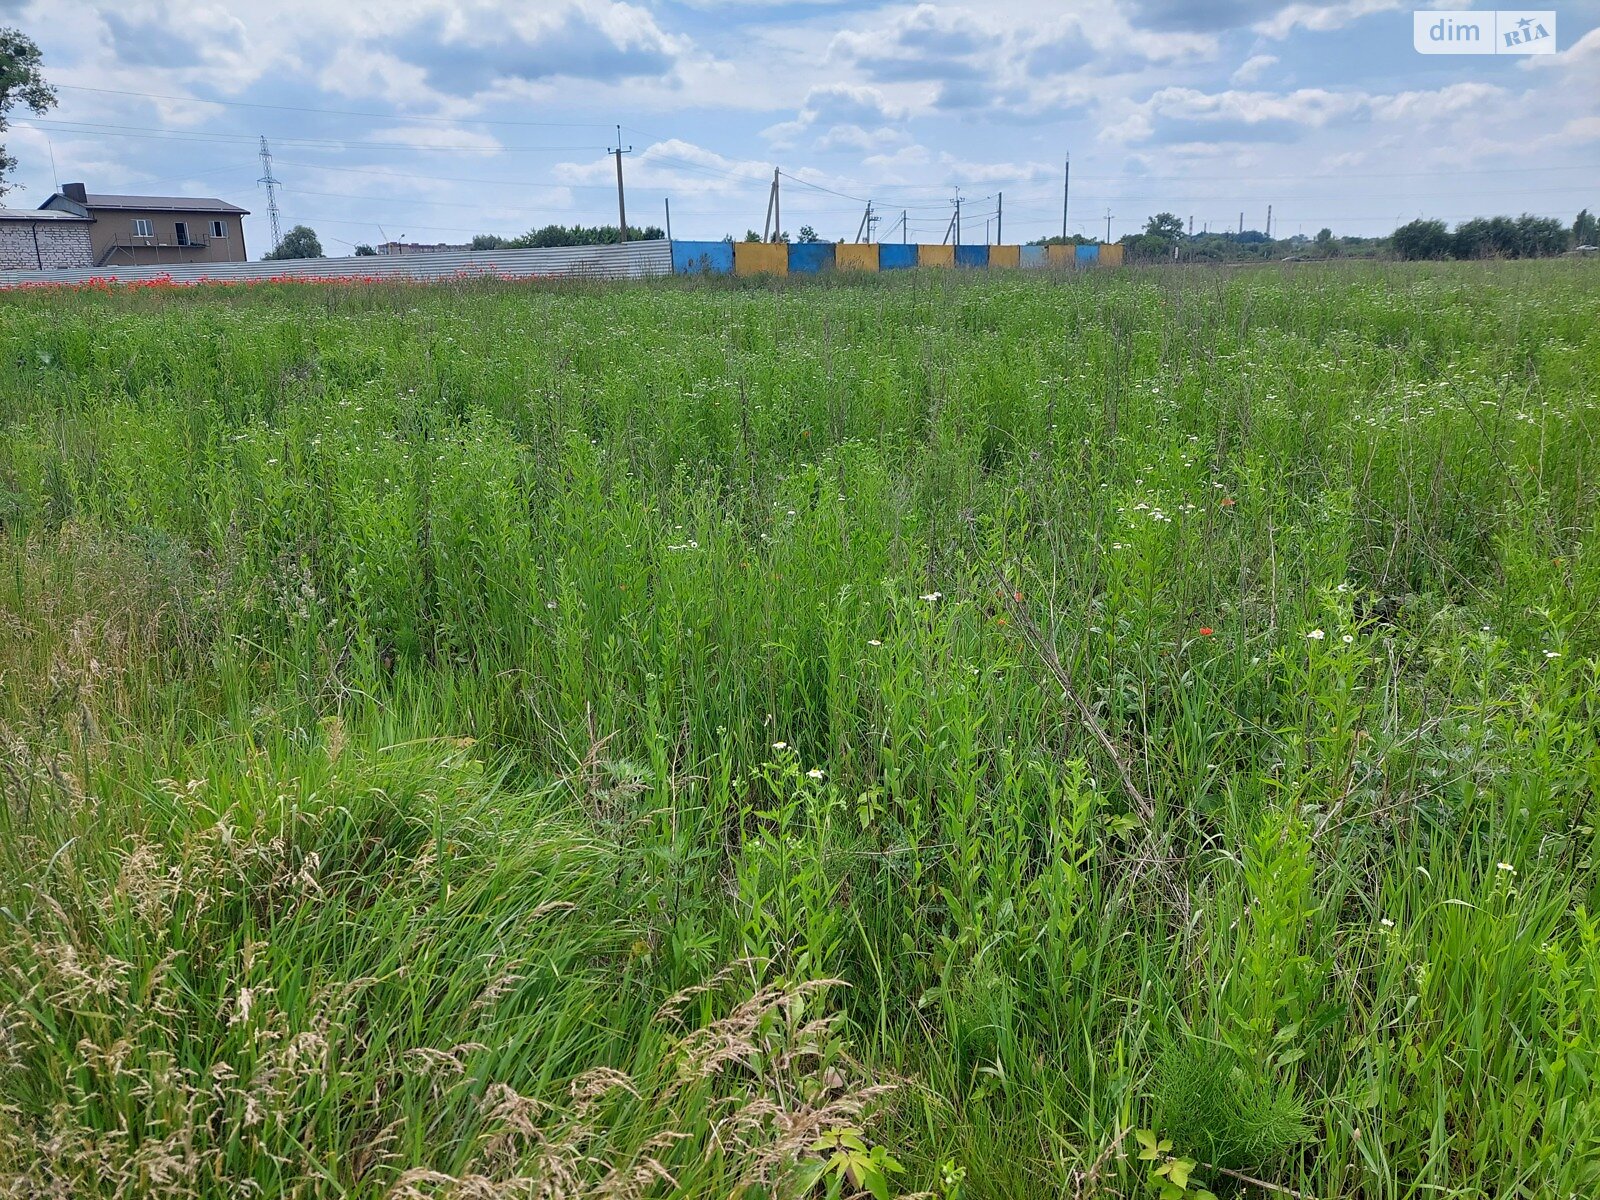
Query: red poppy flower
{"type": "Point", "coordinates": [1205, 631]}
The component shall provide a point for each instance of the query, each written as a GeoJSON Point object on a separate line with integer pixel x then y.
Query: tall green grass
{"type": "Point", "coordinates": [497, 740]}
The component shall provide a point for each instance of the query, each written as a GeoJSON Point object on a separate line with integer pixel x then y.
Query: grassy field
{"type": "Point", "coordinates": [930, 734]}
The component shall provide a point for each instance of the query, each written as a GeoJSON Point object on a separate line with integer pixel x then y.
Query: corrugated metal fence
{"type": "Point", "coordinates": [631, 260]}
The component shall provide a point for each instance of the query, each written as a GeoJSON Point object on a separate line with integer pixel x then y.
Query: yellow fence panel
{"type": "Point", "coordinates": [1111, 254]}
{"type": "Point", "coordinates": [856, 256]}
{"type": "Point", "coordinates": [760, 258]}
{"type": "Point", "coordinates": [1005, 256]}
{"type": "Point", "coordinates": [936, 256]}
{"type": "Point", "coordinates": [1063, 256]}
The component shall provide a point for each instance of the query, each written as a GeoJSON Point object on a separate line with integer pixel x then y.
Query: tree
{"type": "Point", "coordinates": [21, 82]}
{"type": "Point", "coordinates": [1162, 233]}
{"type": "Point", "coordinates": [1167, 226]}
{"type": "Point", "coordinates": [1586, 229]}
{"type": "Point", "coordinates": [808, 234]}
{"type": "Point", "coordinates": [365, 251]}
{"type": "Point", "coordinates": [488, 241]}
{"type": "Point", "coordinates": [750, 235]}
{"type": "Point", "coordinates": [1540, 236]}
{"type": "Point", "coordinates": [1422, 239]}
{"type": "Point", "coordinates": [1327, 243]}
{"type": "Point", "coordinates": [578, 235]}
{"type": "Point", "coordinates": [299, 242]}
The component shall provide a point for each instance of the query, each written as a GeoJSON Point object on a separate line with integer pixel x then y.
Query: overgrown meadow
{"type": "Point", "coordinates": [1104, 735]}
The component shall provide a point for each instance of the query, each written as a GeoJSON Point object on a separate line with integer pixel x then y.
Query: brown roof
{"type": "Point", "coordinates": [163, 203]}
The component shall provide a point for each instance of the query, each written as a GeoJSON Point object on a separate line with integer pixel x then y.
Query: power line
{"type": "Point", "coordinates": [334, 112]}
{"type": "Point", "coordinates": [165, 133]}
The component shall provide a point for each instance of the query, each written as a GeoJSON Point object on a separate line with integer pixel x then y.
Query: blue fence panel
{"type": "Point", "coordinates": [1035, 256]}
{"type": "Point", "coordinates": [807, 258]}
{"type": "Point", "coordinates": [894, 256]}
{"type": "Point", "coordinates": [702, 258]}
{"type": "Point", "coordinates": [972, 256]}
{"type": "Point", "coordinates": [1087, 256]}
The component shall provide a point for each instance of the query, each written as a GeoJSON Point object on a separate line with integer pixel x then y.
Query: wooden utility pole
{"type": "Point", "coordinates": [1108, 227]}
{"type": "Point", "coordinates": [667, 200]}
{"type": "Point", "coordinates": [622, 208]}
{"type": "Point", "coordinates": [999, 217]}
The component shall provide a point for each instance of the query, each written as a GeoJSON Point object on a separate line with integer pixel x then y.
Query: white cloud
{"type": "Point", "coordinates": [1322, 18]}
{"type": "Point", "coordinates": [1583, 53]}
{"type": "Point", "coordinates": [1253, 67]}
{"type": "Point", "coordinates": [675, 165]}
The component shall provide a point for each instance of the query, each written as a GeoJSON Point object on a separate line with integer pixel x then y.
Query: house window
{"type": "Point", "coordinates": [182, 230]}
{"type": "Point", "coordinates": [141, 228]}
{"type": "Point", "coordinates": [219, 229]}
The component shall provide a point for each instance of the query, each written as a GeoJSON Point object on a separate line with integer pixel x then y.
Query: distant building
{"type": "Point", "coordinates": [420, 248]}
{"type": "Point", "coordinates": [154, 231]}
{"type": "Point", "coordinates": [34, 239]}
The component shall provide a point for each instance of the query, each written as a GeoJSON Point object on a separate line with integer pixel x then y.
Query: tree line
{"type": "Point", "coordinates": [1527, 236]}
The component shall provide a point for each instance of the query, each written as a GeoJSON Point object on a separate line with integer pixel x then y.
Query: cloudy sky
{"type": "Point", "coordinates": [437, 119]}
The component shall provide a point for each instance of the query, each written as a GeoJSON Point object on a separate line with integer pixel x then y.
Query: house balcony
{"type": "Point", "coordinates": [136, 247]}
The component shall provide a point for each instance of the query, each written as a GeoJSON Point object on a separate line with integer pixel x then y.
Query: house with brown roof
{"type": "Point", "coordinates": [154, 231]}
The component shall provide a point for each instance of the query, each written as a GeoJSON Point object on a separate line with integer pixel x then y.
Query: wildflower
{"type": "Point", "coordinates": [1386, 923]}
{"type": "Point", "coordinates": [1347, 639]}
{"type": "Point", "coordinates": [549, 603]}
{"type": "Point", "coordinates": [1017, 596]}
{"type": "Point", "coordinates": [780, 745]}
{"type": "Point", "coordinates": [1227, 502]}
{"type": "Point", "coordinates": [874, 642]}
{"type": "Point", "coordinates": [933, 597]}
{"type": "Point", "coordinates": [1000, 620]}
{"type": "Point", "coordinates": [1552, 654]}
{"type": "Point", "coordinates": [814, 773]}
{"type": "Point", "coordinates": [1316, 635]}
{"type": "Point", "coordinates": [1205, 631]}
{"type": "Point", "coordinates": [1505, 866]}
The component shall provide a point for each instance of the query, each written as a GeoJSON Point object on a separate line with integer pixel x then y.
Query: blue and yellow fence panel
{"type": "Point", "coordinates": [810, 258]}
{"type": "Point", "coordinates": [896, 256]}
{"type": "Point", "coordinates": [856, 256]}
{"type": "Point", "coordinates": [760, 258]}
{"type": "Point", "coordinates": [702, 258]}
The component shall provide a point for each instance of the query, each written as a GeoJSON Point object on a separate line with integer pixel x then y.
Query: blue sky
{"type": "Point", "coordinates": [437, 119]}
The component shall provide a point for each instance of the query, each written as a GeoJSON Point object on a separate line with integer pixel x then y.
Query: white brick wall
{"type": "Point", "coordinates": [61, 244]}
